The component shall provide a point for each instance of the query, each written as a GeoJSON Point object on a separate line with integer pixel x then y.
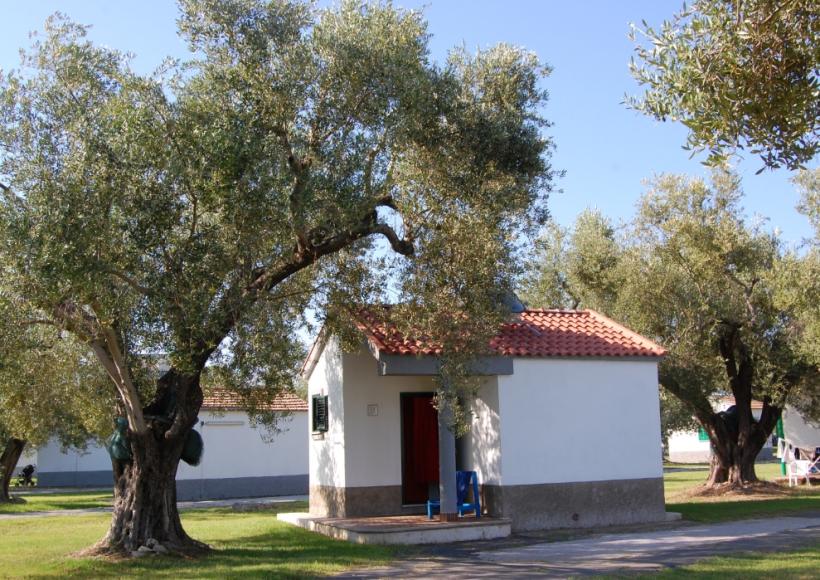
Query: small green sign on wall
{"type": "Point", "coordinates": [703, 435]}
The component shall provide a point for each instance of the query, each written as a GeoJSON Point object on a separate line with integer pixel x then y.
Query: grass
{"type": "Point", "coordinates": [691, 475]}
{"type": "Point", "coordinates": [724, 511]}
{"type": "Point", "coordinates": [679, 486]}
{"type": "Point", "coordinates": [255, 544]}
{"type": "Point", "coordinates": [800, 563]}
{"type": "Point", "coordinates": [245, 545]}
{"type": "Point", "coordinates": [40, 502]}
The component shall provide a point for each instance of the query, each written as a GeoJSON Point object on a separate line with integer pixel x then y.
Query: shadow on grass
{"type": "Point", "coordinates": [248, 545]}
{"type": "Point", "coordinates": [287, 553]}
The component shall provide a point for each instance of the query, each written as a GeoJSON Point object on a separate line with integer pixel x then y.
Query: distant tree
{"type": "Point", "coordinates": [199, 211]}
{"type": "Point", "coordinates": [47, 392]}
{"type": "Point", "coordinates": [738, 74]}
{"type": "Point", "coordinates": [808, 184]}
{"type": "Point", "coordinates": [719, 294]}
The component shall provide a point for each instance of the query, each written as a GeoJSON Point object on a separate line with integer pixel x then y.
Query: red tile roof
{"type": "Point", "coordinates": [534, 333]}
{"type": "Point", "coordinates": [223, 400]}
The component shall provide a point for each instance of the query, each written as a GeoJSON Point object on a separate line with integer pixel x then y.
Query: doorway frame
{"type": "Point", "coordinates": [402, 398]}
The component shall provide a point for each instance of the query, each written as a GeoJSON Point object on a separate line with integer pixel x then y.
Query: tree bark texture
{"type": "Point", "coordinates": [8, 463]}
{"type": "Point", "coordinates": [736, 444]}
{"type": "Point", "coordinates": [145, 513]}
{"type": "Point", "coordinates": [736, 437]}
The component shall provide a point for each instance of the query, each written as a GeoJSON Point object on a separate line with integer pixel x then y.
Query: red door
{"type": "Point", "coordinates": [419, 421]}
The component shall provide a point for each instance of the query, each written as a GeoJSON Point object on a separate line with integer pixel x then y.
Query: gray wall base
{"type": "Point", "coordinates": [102, 478]}
{"type": "Point", "coordinates": [190, 489]}
{"type": "Point", "coordinates": [578, 504]}
{"type": "Point", "coordinates": [350, 502]}
{"type": "Point", "coordinates": [196, 489]}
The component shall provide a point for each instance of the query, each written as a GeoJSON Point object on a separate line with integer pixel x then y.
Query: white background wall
{"type": "Point", "coordinates": [231, 450]}
{"type": "Point", "coordinates": [686, 447]}
{"type": "Point", "coordinates": [51, 458]}
{"type": "Point", "coordinates": [566, 420]}
{"type": "Point", "coordinates": [235, 449]}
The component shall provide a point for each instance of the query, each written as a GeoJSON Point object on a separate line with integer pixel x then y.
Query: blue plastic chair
{"type": "Point", "coordinates": [463, 481]}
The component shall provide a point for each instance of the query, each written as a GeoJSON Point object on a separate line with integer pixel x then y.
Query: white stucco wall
{"type": "Point", "coordinates": [373, 443]}
{"type": "Point", "coordinates": [232, 449]}
{"type": "Point", "coordinates": [568, 420]}
{"type": "Point", "coordinates": [51, 458]}
{"type": "Point", "coordinates": [482, 447]}
{"type": "Point", "coordinates": [687, 447]}
{"type": "Point", "coordinates": [327, 452]}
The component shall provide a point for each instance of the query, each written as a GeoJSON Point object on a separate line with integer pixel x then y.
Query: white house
{"type": "Point", "coordinates": [238, 459]}
{"type": "Point", "coordinates": [693, 446]}
{"type": "Point", "coordinates": [563, 398]}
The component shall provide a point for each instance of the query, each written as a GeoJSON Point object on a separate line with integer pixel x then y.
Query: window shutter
{"type": "Point", "coordinates": [320, 420]}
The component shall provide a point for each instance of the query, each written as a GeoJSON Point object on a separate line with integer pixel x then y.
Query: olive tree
{"type": "Point", "coordinates": [301, 159]}
{"type": "Point", "coordinates": [49, 391]}
{"type": "Point", "coordinates": [739, 74]}
{"type": "Point", "coordinates": [718, 293]}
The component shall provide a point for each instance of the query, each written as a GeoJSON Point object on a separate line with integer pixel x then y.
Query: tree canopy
{"type": "Point", "coordinates": [302, 159]}
{"type": "Point", "coordinates": [49, 390]}
{"type": "Point", "coordinates": [739, 74]}
{"type": "Point", "coordinates": [716, 291]}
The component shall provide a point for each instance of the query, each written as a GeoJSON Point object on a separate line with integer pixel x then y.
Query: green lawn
{"type": "Point", "coordinates": [722, 511]}
{"type": "Point", "coordinates": [257, 545]}
{"type": "Point", "coordinates": [786, 565]}
{"type": "Point", "coordinates": [717, 509]}
{"type": "Point", "coordinates": [39, 502]}
{"type": "Point", "coordinates": [245, 545]}
{"type": "Point", "coordinates": [696, 474]}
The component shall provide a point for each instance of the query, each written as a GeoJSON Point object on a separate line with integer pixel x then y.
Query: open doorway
{"type": "Point", "coordinates": [419, 424]}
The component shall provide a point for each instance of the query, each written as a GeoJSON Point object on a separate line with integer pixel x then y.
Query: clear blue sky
{"type": "Point", "coordinates": [606, 149]}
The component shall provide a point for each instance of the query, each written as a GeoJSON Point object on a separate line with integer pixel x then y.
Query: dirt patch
{"type": "Point", "coordinates": [760, 490]}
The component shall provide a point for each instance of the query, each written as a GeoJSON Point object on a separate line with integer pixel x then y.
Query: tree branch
{"type": "Point", "coordinates": [104, 343]}
{"type": "Point", "coordinates": [130, 281]}
{"type": "Point", "coordinates": [400, 246]}
{"type": "Point", "coordinates": [12, 197]}
{"type": "Point", "coordinates": [299, 169]}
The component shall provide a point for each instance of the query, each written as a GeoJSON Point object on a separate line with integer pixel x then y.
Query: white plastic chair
{"type": "Point", "coordinates": [798, 469]}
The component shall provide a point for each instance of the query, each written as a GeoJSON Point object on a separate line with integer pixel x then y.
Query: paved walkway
{"type": "Point", "coordinates": [243, 504]}
{"type": "Point", "coordinates": [608, 553]}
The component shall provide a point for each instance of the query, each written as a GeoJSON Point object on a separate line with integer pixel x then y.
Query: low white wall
{"type": "Point", "coordinates": [51, 458]}
{"type": "Point", "coordinates": [232, 449]}
{"type": "Point", "coordinates": [687, 447]}
{"type": "Point", "coordinates": [570, 420]}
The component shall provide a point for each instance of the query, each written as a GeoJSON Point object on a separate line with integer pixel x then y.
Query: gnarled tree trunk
{"type": "Point", "coordinates": [8, 463]}
{"type": "Point", "coordinates": [145, 510]}
{"type": "Point", "coordinates": [735, 447]}
{"type": "Point", "coordinates": [732, 464]}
